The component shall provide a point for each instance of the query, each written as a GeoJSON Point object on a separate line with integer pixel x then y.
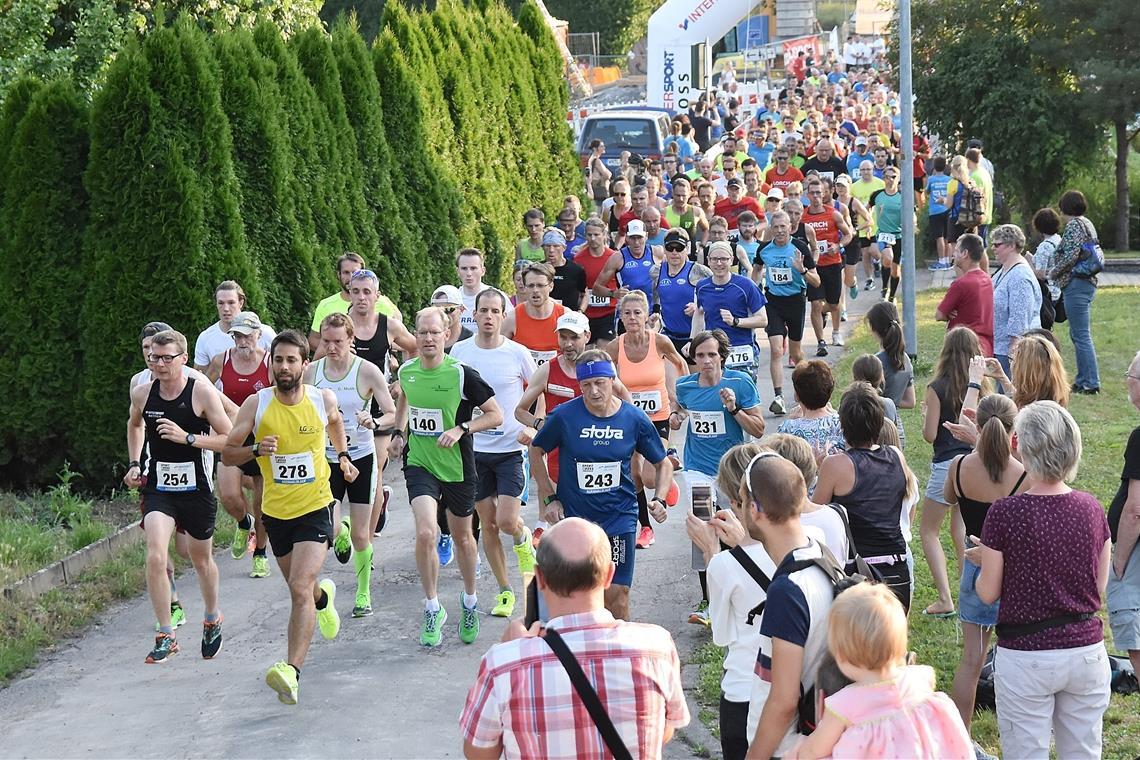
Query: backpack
{"type": "Point", "coordinates": [1048, 308]}
{"type": "Point", "coordinates": [971, 210]}
{"type": "Point", "coordinates": [1090, 261]}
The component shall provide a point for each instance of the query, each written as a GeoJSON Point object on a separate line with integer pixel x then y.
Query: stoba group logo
{"type": "Point", "coordinates": [602, 433]}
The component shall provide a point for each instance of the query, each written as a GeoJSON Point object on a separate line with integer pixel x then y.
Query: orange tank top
{"type": "Point", "coordinates": [645, 380]}
{"type": "Point", "coordinates": [538, 335]}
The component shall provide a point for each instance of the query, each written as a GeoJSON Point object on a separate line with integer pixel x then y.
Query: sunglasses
{"type": "Point", "coordinates": [676, 247]}
{"type": "Point", "coordinates": [362, 273]}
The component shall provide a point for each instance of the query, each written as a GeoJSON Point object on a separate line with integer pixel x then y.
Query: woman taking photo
{"type": "Point", "coordinates": [1045, 553]}
{"type": "Point", "coordinates": [1078, 291]}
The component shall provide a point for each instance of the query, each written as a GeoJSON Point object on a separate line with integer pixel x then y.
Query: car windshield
{"type": "Point", "coordinates": [621, 134]}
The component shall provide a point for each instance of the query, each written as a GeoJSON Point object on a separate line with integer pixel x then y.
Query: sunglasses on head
{"type": "Point", "coordinates": [748, 475]}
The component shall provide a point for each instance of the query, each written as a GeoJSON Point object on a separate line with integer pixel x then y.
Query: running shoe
{"type": "Point", "coordinates": [525, 553]}
{"type": "Point", "coordinates": [260, 566]}
{"type": "Point", "coordinates": [165, 647]}
{"type": "Point", "coordinates": [342, 544]}
{"type": "Point", "coordinates": [432, 633]}
{"type": "Point", "coordinates": [878, 267]}
{"type": "Point", "coordinates": [700, 616]}
{"type": "Point", "coordinates": [645, 538]}
{"type": "Point", "coordinates": [777, 406]}
{"type": "Point", "coordinates": [935, 266]}
{"type": "Point", "coordinates": [240, 543]}
{"type": "Point", "coordinates": [211, 638]}
{"type": "Point", "coordinates": [540, 527]}
{"type": "Point", "coordinates": [674, 458]}
{"type": "Point", "coordinates": [468, 623]}
{"type": "Point", "coordinates": [883, 294]}
{"type": "Point", "coordinates": [478, 566]}
{"type": "Point", "coordinates": [843, 315]}
{"type": "Point", "coordinates": [382, 520]}
{"type": "Point", "coordinates": [446, 550]}
{"type": "Point", "coordinates": [363, 606]}
{"type": "Point", "coordinates": [673, 496]}
{"type": "Point", "coordinates": [821, 349]}
{"type": "Point", "coordinates": [853, 292]}
{"type": "Point", "coordinates": [836, 339]}
{"type": "Point", "coordinates": [283, 680]}
{"type": "Point", "coordinates": [327, 619]}
{"type": "Point", "coordinates": [504, 604]}
{"type": "Point", "coordinates": [177, 618]}
{"type": "Point", "coordinates": [791, 363]}
{"type": "Point", "coordinates": [870, 284]}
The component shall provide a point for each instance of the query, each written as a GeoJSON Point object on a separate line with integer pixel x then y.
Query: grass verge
{"type": "Point", "coordinates": [1106, 421]}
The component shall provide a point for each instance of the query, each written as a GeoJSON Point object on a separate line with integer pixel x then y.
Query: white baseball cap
{"type": "Point", "coordinates": [636, 228]}
{"type": "Point", "coordinates": [574, 321]}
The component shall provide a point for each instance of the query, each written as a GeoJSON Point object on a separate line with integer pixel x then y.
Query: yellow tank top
{"type": "Point", "coordinates": [297, 476]}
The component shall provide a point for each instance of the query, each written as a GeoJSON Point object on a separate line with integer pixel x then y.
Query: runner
{"type": "Point", "coordinates": [674, 289]}
{"type": "Point", "coordinates": [722, 406]}
{"type": "Point", "coordinates": [681, 213]}
{"type": "Point", "coordinates": [530, 247]}
{"type": "Point", "coordinates": [243, 371]}
{"type": "Point", "coordinates": [499, 456]}
{"type": "Point", "coordinates": [291, 424]}
{"type": "Point", "coordinates": [600, 433]}
{"type": "Point", "coordinates": [886, 206]}
{"type": "Point", "coordinates": [439, 395]}
{"type": "Point", "coordinates": [863, 188]}
{"type": "Point", "coordinates": [647, 364]}
{"type": "Point", "coordinates": [569, 278]}
{"type": "Point", "coordinates": [600, 308]}
{"type": "Point", "coordinates": [732, 303]}
{"type": "Point", "coordinates": [358, 385]}
{"type": "Point", "coordinates": [787, 270]}
{"type": "Point", "coordinates": [229, 298]}
{"type": "Point", "coordinates": [168, 437]}
{"type": "Point", "coordinates": [718, 232]}
{"type": "Point", "coordinates": [832, 234]}
{"type": "Point", "coordinates": [339, 302]}
{"type": "Point", "coordinates": [532, 322]}
{"type": "Point", "coordinates": [471, 270]}
{"type": "Point", "coordinates": [736, 203]}
{"type": "Point", "coordinates": [631, 265]}
{"type": "Point", "coordinates": [860, 219]}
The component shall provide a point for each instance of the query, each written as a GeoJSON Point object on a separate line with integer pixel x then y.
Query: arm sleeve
{"type": "Point", "coordinates": [1069, 249]}
{"type": "Point", "coordinates": [994, 531]}
{"type": "Point", "coordinates": [746, 395]}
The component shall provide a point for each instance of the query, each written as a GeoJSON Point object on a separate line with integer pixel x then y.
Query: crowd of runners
{"type": "Point", "coordinates": [623, 377]}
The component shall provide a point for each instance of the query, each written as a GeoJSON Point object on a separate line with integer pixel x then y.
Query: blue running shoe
{"type": "Point", "coordinates": [446, 549]}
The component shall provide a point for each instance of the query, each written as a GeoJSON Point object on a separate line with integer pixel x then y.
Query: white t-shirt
{"type": "Point", "coordinates": [212, 341]}
{"type": "Point", "coordinates": [732, 595]}
{"type": "Point", "coordinates": [468, 318]}
{"type": "Point", "coordinates": [507, 369]}
{"type": "Point", "coordinates": [831, 530]}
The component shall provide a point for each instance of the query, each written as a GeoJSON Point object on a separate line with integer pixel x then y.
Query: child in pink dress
{"type": "Point", "coordinates": [891, 709]}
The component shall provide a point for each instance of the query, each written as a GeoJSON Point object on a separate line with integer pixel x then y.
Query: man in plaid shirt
{"type": "Point", "coordinates": [523, 704]}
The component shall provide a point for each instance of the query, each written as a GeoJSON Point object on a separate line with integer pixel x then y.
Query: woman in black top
{"type": "Point", "coordinates": [976, 481]}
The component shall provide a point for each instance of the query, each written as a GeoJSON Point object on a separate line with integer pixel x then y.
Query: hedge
{"type": "Point", "coordinates": [206, 156]}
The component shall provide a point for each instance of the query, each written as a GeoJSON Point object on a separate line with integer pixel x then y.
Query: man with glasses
{"type": "Point", "coordinates": [732, 303]}
{"type": "Point", "coordinates": [681, 213]}
{"type": "Point", "coordinates": [674, 289]}
{"type": "Point", "coordinates": [436, 407]}
{"type": "Point", "coordinates": [532, 321]}
{"type": "Point", "coordinates": [229, 298]}
{"type": "Point", "coordinates": [783, 173]}
{"type": "Point", "coordinates": [168, 437]}
{"type": "Point", "coordinates": [346, 266]}
{"type": "Point", "coordinates": [615, 207]}
{"type": "Point", "coordinates": [760, 148]}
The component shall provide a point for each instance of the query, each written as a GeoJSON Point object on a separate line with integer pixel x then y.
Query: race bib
{"type": "Point", "coordinates": [598, 301]}
{"type": "Point", "coordinates": [707, 424]}
{"type": "Point", "coordinates": [176, 477]}
{"type": "Point", "coordinates": [425, 421]}
{"type": "Point", "coordinates": [739, 355]}
{"type": "Point", "coordinates": [293, 469]}
{"type": "Point", "coordinates": [560, 390]}
{"type": "Point", "coordinates": [598, 477]}
{"type": "Point", "coordinates": [886, 237]}
{"type": "Point", "coordinates": [647, 401]}
{"type": "Point", "coordinates": [780, 275]}
{"type": "Point", "coordinates": [821, 247]}
{"type": "Point", "coordinates": [542, 357]}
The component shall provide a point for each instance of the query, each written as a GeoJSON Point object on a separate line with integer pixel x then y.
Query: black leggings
{"type": "Point", "coordinates": [897, 578]}
{"type": "Point", "coordinates": [733, 729]}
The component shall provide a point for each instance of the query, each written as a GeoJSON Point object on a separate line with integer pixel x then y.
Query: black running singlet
{"type": "Point", "coordinates": [171, 467]}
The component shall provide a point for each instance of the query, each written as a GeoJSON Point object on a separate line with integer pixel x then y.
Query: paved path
{"type": "Point", "coordinates": [374, 692]}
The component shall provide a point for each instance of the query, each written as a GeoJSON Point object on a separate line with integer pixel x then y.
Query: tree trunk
{"type": "Point", "coordinates": [1122, 209]}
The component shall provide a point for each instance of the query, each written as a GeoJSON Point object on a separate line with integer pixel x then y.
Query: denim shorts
{"type": "Point", "coordinates": [934, 486]}
{"type": "Point", "coordinates": [1124, 605]}
{"type": "Point", "coordinates": [971, 609]}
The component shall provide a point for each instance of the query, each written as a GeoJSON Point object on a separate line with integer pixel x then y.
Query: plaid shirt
{"type": "Point", "coordinates": [523, 698]}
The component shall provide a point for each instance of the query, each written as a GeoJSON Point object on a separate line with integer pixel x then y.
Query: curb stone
{"type": "Point", "coordinates": [68, 569]}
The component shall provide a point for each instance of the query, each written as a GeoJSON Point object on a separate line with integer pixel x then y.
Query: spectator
{"type": "Point", "coordinates": [1017, 296]}
{"type": "Point", "coordinates": [868, 369]}
{"type": "Point", "coordinates": [870, 481]}
{"type": "Point", "coordinates": [1047, 222]}
{"type": "Point", "coordinates": [944, 397]}
{"type": "Point", "coordinates": [794, 629]}
{"type": "Point", "coordinates": [866, 634]}
{"type": "Point", "coordinates": [959, 182]}
{"type": "Point", "coordinates": [633, 667]}
{"type": "Point", "coordinates": [1038, 374]}
{"type": "Point", "coordinates": [989, 473]}
{"type": "Point", "coordinates": [1124, 522]}
{"type": "Point", "coordinates": [1078, 291]}
{"type": "Point", "coordinates": [970, 300]}
{"type": "Point", "coordinates": [817, 423]}
{"type": "Point", "coordinates": [898, 375]}
{"type": "Point", "coordinates": [821, 521]}
{"type": "Point", "coordinates": [599, 174]}
{"type": "Point", "coordinates": [1046, 554]}
{"type": "Point", "coordinates": [983, 180]}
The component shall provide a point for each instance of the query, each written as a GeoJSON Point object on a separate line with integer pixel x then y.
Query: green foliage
{"type": "Point", "coordinates": [15, 106]}
{"type": "Point", "coordinates": [25, 30]}
{"type": "Point", "coordinates": [620, 23]}
{"type": "Point", "coordinates": [41, 266]}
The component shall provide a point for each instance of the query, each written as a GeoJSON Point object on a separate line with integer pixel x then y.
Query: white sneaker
{"type": "Point", "coordinates": [836, 339]}
{"type": "Point", "coordinates": [777, 406]}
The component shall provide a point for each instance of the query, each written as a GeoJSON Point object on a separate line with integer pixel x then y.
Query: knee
{"type": "Point", "coordinates": [156, 560]}
{"type": "Point", "coordinates": [301, 589]}
{"type": "Point", "coordinates": [427, 534]}
{"type": "Point", "coordinates": [202, 561]}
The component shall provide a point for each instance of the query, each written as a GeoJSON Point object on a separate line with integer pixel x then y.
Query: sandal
{"type": "Point", "coordinates": [950, 614]}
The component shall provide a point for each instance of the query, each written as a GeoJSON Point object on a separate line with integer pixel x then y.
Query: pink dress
{"type": "Point", "coordinates": [903, 718]}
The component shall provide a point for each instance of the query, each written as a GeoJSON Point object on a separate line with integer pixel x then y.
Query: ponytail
{"type": "Point", "coordinates": [883, 318]}
{"type": "Point", "coordinates": [995, 423]}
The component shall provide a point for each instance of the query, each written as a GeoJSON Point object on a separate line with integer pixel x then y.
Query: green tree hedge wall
{"type": "Point", "coordinates": [211, 155]}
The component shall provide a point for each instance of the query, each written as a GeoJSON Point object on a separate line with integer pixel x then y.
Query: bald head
{"type": "Point", "coordinates": [777, 488]}
{"type": "Point", "coordinates": [574, 556]}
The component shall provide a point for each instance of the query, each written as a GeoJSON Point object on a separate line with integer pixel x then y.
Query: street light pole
{"type": "Point", "coordinates": [910, 329]}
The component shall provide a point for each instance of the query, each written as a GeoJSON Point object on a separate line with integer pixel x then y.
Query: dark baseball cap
{"type": "Point", "coordinates": [676, 235]}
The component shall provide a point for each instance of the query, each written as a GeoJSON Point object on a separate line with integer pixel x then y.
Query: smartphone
{"type": "Point", "coordinates": [702, 501]}
{"type": "Point", "coordinates": [535, 608]}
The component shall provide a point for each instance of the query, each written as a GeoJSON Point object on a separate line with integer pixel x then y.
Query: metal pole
{"type": "Point", "coordinates": [910, 328]}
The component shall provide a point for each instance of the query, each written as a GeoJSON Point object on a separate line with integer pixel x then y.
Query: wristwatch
{"type": "Point", "coordinates": [465, 427]}
{"type": "Point", "coordinates": [735, 411]}
{"type": "Point", "coordinates": [343, 455]}
{"type": "Point", "coordinates": [659, 499]}
{"type": "Point", "coordinates": [548, 499]}
{"type": "Point", "coordinates": [736, 321]}
{"type": "Point", "coordinates": [190, 438]}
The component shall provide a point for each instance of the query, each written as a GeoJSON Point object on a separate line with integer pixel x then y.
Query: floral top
{"type": "Point", "coordinates": [1078, 231]}
{"type": "Point", "coordinates": [823, 433]}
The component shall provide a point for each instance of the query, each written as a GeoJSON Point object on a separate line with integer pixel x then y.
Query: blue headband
{"type": "Point", "coordinates": [597, 368]}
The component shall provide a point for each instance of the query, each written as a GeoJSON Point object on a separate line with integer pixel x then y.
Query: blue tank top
{"type": "Point", "coordinates": [936, 185]}
{"type": "Point", "coordinates": [750, 250]}
{"type": "Point", "coordinates": [634, 273]}
{"type": "Point", "coordinates": [675, 292]}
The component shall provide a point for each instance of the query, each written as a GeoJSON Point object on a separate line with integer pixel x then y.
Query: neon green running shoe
{"type": "Point", "coordinates": [468, 623]}
{"type": "Point", "coordinates": [260, 566]}
{"type": "Point", "coordinates": [327, 619]}
{"type": "Point", "coordinates": [525, 553]}
{"type": "Point", "coordinates": [363, 606]}
{"type": "Point", "coordinates": [342, 544]}
{"type": "Point", "coordinates": [283, 680]}
{"type": "Point", "coordinates": [505, 604]}
{"type": "Point", "coordinates": [432, 633]}
{"type": "Point", "coordinates": [240, 544]}
{"type": "Point", "coordinates": [177, 616]}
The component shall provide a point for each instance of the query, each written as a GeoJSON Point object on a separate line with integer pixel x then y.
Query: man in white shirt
{"type": "Point", "coordinates": [471, 270]}
{"type": "Point", "coordinates": [229, 298]}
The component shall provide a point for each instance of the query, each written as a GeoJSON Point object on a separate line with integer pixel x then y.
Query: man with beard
{"type": "Point", "coordinates": [291, 423]}
{"type": "Point", "coordinates": [346, 266]}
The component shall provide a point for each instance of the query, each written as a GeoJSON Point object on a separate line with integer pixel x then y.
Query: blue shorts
{"type": "Point", "coordinates": [971, 609]}
{"type": "Point", "coordinates": [937, 482]}
{"type": "Point", "coordinates": [623, 549]}
{"type": "Point", "coordinates": [1123, 599]}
